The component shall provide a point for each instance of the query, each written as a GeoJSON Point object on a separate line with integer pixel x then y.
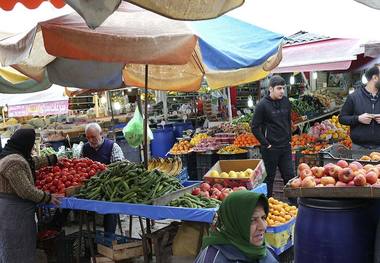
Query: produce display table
{"type": "Point", "coordinates": [154, 212]}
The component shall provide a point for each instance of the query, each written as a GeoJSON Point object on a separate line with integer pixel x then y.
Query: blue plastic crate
{"type": "Point", "coordinates": [110, 239]}
{"type": "Point", "coordinates": [183, 176]}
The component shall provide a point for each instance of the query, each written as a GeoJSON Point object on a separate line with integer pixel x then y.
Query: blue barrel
{"type": "Point", "coordinates": [334, 231]}
{"type": "Point", "coordinates": [180, 127]}
{"type": "Point", "coordinates": [163, 141]}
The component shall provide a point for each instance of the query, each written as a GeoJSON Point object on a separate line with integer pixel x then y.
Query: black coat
{"type": "Point", "coordinates": [357, 103]}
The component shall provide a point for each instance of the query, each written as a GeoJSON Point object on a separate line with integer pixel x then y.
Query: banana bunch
{"type": "Point", "coordinates": [169, 166]}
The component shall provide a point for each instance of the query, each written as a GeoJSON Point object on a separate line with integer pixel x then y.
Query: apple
{"type": "Point", "coordinates": [204, 194]}
{"type": "Point", "coordinates": [241, 174]}
{"type": "Point", "coordinates": [327, 168]}
{"type": "Point", "coordinates": [326, 180]}
{"type": "Point", "coordinates": [205, 187]}
{"type": "Point", "coordinates": [319, 185]}
{"type": "Point", "coordinates": [342, 163]}
{"type": "Point", "coordinates": [345, 175]}
{"type": "Point", "coordinates": [232, 174]}
{"type": "Point", "coordinates": [351, 183]}
{"type": "Point", "coordinates": [334, 171]}
{"type": "Point", "coordinates": [340, 184]}
{"type": "Point", "coordinates": [377, 166]}
{"type": "Point", "coordinates": [305, 173]}
{"type": "Point", "coordinates": [295, 183]}
{"type": "Point", "coordinates": [223, 195]}
{"type": "Point", "coordinates": [368, 166]}
{"type": "Point", "coordinates": [218, 186]}
{"type": "Point", "coordinates": [360, 171]}
{"type": "Point", "coordinates": [320, 172]}
{"type": "Point", "coordinates": [371, 177]}
{"type": "Point", "coordinates": [249, 172]}
{"type": "Point", "coordinates": [308, 182]}
{"type": "Point", "coordinates": [227, 190]}
{"type": "Point", "coordinates": [359, 180]}
{"type": "Point", "coordinates": [242, 188]}
{"type": "Point", "coordinates": [356, 164]}
{"type": "Point", "coordinates": [196, 191]}
{"type": "Point", "coordinates": [373, 169]}
{"type": "Point", "coordinates": [303, 166]}
{"type": "Point", "coordinates": [377, 184]}
{"type": "Point", "coordinates": [317, 180]}
{"type": "Point", "coordinates": [314, 170]}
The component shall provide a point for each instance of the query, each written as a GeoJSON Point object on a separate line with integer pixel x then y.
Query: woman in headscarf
{"type": "Point", "coordinates": [239, 233]}
{"type": "Point", "coordinates": [18, 199]}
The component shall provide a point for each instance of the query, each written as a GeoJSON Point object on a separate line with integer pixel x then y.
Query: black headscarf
{"type": "Point", "coordinates": [21, 142]}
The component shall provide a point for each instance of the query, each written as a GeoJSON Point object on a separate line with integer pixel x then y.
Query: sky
{"type": "Point", "coordinates": [335, 18]}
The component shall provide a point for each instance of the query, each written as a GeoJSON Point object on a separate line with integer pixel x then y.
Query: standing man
{"type": "Point", "coordinates": [361, 112]}
{"type": "Point", "coordinates": [271, 124]}
{"type": "Point", "coordinates": [105, 151]}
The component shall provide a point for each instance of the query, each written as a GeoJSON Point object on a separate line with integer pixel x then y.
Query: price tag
{"type": "Point", "coordinates": [162, 123]}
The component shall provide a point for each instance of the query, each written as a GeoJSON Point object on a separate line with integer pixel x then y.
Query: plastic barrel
{"type": "Point", "coordinates": [334, 231]}
{"type": "Point", "coordinates": [163, 141]}
{"type": "Point", "coordinates": [180, 127]}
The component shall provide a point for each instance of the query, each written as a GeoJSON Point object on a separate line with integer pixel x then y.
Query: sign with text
{"type": "Point", "coordinates": [40, 109]}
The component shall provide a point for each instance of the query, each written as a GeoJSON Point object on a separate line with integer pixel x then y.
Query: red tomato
{"type": "Point", "coordinates": [67, 183]}
{"type": "Point", "coordinates": [61, 186]}
{"type": "Point", "coordinates": [55, 182]}
{"type": "Point", "coordinates": [63, 178]}
{"type": "Point", "coordinates": [70, 177]}
{"type": "Point", "coordinates": [53, 189]}
{"type": "Point", "coordinates": [75, 184]}
{"type": "Point", "coordinates": [56, 169]}
{"type": "Point", "coordinates": [49, 179]}
{"type": "Point", "coordinates": [91, 172]}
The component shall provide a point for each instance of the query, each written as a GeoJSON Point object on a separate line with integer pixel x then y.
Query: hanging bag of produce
{"type": "Point", "coordinates": [134, 130]}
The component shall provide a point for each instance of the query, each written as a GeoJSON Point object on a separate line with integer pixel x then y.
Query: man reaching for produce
{"type": "Point", "coordinates": [361, 112]}
{"type": "Point", "coordinates": [271, 124]}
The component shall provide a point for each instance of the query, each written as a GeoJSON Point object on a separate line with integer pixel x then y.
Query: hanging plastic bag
{"type": "Point", "coordinates": [134, 130]}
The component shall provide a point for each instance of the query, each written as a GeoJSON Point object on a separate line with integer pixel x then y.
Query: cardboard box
{"type": "Point", "coordinates": [257, 177]}
{"type": "Point", "coordinates": [281, 237]}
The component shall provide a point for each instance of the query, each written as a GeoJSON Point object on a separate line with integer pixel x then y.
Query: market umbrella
{"type": "Point", "coordinates": [225, 50]}
{"type": "Point", "coordinates": [97, 11]}
{"type": "Point", "coordinates": [75, 56]}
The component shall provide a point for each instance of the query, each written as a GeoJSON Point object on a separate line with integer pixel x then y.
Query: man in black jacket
{"type": "Point", "coordinates": [271, 124]}
{"type": "Point", "coordinates": [361, 112]}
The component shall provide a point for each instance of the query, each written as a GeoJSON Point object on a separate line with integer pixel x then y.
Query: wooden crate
{"type": "Point", "coordinates": [122, 251]}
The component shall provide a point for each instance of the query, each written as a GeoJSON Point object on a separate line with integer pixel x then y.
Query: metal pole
{"type": "Point", "coordinates": [146, 119]}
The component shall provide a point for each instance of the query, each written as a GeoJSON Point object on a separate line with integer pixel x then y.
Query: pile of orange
{"type": "Point", "coordinates": [246, 139]}
{"type": "Point", "coordinates": [302, 140]}
{"type": "Point", "coordinates": [181, 147]}
{"type": "Point", "coordinates": [347, 142]}
{"type": "Point", "coordinates": [280, 212]}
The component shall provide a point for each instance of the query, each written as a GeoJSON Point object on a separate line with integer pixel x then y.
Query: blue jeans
{"type": "Point", "coordinates": [110, 223]}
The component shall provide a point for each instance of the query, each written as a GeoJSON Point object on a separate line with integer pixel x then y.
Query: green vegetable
{"type": "Point", "coordinates": [195, 201]}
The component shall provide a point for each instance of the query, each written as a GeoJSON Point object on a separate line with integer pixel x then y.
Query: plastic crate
{"type": "Point", "coordinates": [189, 161]}
{"type": "Point", "coordinates": [254, 152]}
{"type": "Point", "coordinates": [204, 162]}
{"type": "Point", "coordinates": [310, 159]}
{"type": "Point", "coordinates": [67, 247]}
{"type": "Point", "coordinates": [280, 238]}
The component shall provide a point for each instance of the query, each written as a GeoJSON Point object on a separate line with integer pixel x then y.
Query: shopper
{"type": "Point", "coordinates": [271, 124]}
{"type": "Point", "coordinates": [239, 232]}
{"type": "Point", "coordinates": [361, 112]}
{"type": "Point", "coordinates": [18, 199]}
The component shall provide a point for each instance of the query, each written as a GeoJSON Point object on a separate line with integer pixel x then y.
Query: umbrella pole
{"type": "Point", "coordinates": [146, 118]}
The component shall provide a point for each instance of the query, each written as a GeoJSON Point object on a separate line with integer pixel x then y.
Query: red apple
{"type": "Point", "coordinates": [308, 182]}
{"type": "Point", "coordinates": [345, 175]}
{"type": "Point", "coordinates": [305, 173]}
{"type": "Point", "coordinates": [320, 172]}
{"type": "Point", "coordinates": [374, 169]}
{"type": "Point", "coordinates": [359, 180]}
{"type": "Point", "coordinates": [317, 180]}
{"type": "Point", "coordinates": [218, 186]}
{"type": "Point", "coordinates": [351, 183]}
{"type": "Point", "coordinates": [295, 183]}
{"type": "Point", "coordinates": [314, 170]}
{"type": "Point", "coordinates": [371, 177]}
{"type": "Point", "coordinates": [328, 180]}
{"type": "Point", "coordinates": [357, 164]}
{"type": "Point", "coordinates": [334, 171]}
{"type": "Point", "coordinates": [340, 184]}
{"type": "Point", "coordinates": [342, 163]}
{"type": "Point", "coordinates": [196, 191]}
{"type": "Point", "coordinates": [204, 194]}
{"type": "Point", "coordinates": [205, 187]}
{"type": "Point", "coordinates": [303, 166]}
{"type": "Point", "coordinates": [327, 168]}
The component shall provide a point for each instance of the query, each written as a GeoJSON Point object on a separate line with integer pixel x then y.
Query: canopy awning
{"type": "Point", "coordinates": [326, 55]}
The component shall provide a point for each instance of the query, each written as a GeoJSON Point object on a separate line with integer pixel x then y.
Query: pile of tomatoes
{"type": "Point", "coordinates": [68, 172]}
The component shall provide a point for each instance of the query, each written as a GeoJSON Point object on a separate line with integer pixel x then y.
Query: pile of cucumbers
{"type": "Point", "coordinates": [128, 182]}
{"type": "Point", "coordinates": [195, 201]}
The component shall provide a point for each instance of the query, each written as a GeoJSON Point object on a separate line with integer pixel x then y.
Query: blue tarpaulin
{"type": "Point", "coordinates": [227, 43]}
{"type": "Point", "coordinates": [149, 211]}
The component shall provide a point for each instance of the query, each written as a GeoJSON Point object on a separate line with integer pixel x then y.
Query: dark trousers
{"type": "Point", "coordinates": [277, 157]}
